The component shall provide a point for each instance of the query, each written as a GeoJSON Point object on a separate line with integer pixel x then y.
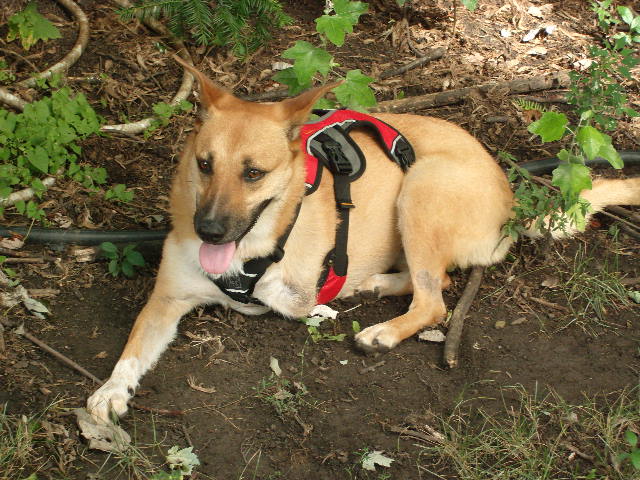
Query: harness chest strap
{"type": "Point", "coordinates": [326, 143]}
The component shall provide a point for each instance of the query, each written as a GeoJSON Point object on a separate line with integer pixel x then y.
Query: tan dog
{"type": "Point", "coordinates": [242, 177]}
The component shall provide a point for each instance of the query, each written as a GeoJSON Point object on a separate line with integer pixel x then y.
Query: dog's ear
{"type": "Point", "coordinates": [296, 110]}
{"type": "Point", "coordinates": [211, 95]}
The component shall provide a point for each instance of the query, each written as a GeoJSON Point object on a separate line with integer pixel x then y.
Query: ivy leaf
{"type": "Point", "coordinates": [355, 92]}
{"type": "Point", "coordinates": [571, 179]}
{"type": "Point", "coordinates": [335, 27]}
{"type": "Point", "coordinates": [308, 60]}
{"type": "Point", "coordinates": [30, 27]}
{"type": "Point", "coordinates": [550, 127]}
{"type": "Point", "coordinates": [289, 78]}
{"type": "Point", "coordinates": [351, 10]}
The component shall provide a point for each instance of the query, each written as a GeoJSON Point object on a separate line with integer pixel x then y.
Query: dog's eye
{"type": "Point", "coordinates": [253, 174]}
{"type": "Point", "coordinates": [204, 164]}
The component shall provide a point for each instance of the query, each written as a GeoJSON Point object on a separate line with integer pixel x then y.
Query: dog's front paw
{"type": "Point", "coordinates": [377, 338]}
{"type": "Point", "coordinates": [110, 397]}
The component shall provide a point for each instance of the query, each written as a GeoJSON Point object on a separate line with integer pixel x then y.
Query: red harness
{"type": "Point", "coordinates": [326, 142]}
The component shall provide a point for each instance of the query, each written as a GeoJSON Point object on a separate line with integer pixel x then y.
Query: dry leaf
{"type": "Point", "coordinates": [101, 355]}
{"type": "Point", "coordinates": [432, 336]}
{"type": "Point", "coordinates": [106, 437]}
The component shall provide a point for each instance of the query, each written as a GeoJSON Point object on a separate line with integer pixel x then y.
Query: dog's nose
{"type": "Point", "coordinates": [210, 231]}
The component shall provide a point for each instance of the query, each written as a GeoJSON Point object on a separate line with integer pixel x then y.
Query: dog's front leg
{"type": "Point", "coordinates": [154, 328]}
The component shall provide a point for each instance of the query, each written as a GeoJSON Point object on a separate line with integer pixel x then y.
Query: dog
{"type": "Point", "coordinates": [240, 189]}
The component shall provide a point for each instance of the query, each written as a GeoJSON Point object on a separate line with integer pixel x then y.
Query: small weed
{"type": "Point", "coordinates": [313, 327]}
{"type": "Point", "coordinates": [5, 74]}
{"type": "Point", "coordinates": [591, 290]}
{"type": "Point", "coordinates": [30, 27]}
{"type": "Point", "coordinates": [285, 396]}
{"type": "Point", "coordinates": [125, 261]}
{"type": "Point", "coordinates": [119, 193]}
{"type": "Point", "coordinates": [163, 112]}
{"type": "Point", "coordinates": [631, 438]}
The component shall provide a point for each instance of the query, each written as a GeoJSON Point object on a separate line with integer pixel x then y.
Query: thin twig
{"type": "Point", "coordinates": [452, 343]}
{"type": "Point", "coordinates": [433, 54]}
{"type": "Point", "coordinates": [546, 303]}
{"type": "Point", "coordinates": [371, 368]}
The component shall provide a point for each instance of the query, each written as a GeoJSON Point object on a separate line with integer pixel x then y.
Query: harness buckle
{"type": "Point", "coordinates": [337, 159]}
{"type": "Point", "coordinates": [404, 154]}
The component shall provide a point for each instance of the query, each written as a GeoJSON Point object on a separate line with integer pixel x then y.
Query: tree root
{"type": "Point", "coordinates": [520, 85]}
{"type": "Point", "coordinates": [182, 93]}
{"type": "Point", "coordinates": [74, 54]}
{"type": "Point", "coordinates": [25, 194]}
{"type": "Point", "coordinates": [452, 343]}
{"type": "Point", "coordinates": [433, 54]}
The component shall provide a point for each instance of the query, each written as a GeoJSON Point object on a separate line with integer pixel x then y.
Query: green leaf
{"type": "Point", "coordinates": [114, 267]}
{"type": "Point", "coordinates": [30, 27]}
{"type": "Point", "coordinates": [352, 10]}
{"type": "Point", "coordinates": [608, 152]}
{"type": "Point", "coordinates": [571, 179]}
{"type": "Point", "coordinates": [626, 14]}
{"type": "Point", "coordinates": [631, 438]}
{"type": "Point", "coordinates": [355, 326]}
{"type": "Point", "coordinates": [354, 92]}
{"type": "Point", "coordinates": [324, 104]}
{"type": "Point", "coordinates": [335, 27]}
{"type": "Point", "coordinates": [550, 127]}
{"type": "Point", "coordinates": [635, 459]}
{"type": "Point", "coordinates": [127, 268]}
{"type": "Point", "coordinates": [39, 158]}
{"type": "Point", "coordinates": [634, 295]}
{"type": "Point", "coordinates": [109, 248]}
{"type": "Point", "coordinates": [470, 4]}
{"type": "Point", "coordinates": [135, 258]}
{"type": "Point", "coordinates": [591, 141]}
{"type": "Point", "coordinates": [289, 78]}
{"type": "Point", "coordinates": [308, 60]}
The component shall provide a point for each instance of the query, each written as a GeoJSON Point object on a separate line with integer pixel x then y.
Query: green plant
{"type": "Point", "coordinates": [310, 60]}
{"type": "Point", "coordinates": [313, 324]}
{"type": "Point", "coordinates": [43, 140]}
{"type": "Point", "coordinates": [5, 74]}
{"type": "Point", "coordinates": [181, 462]}
{"type": "Point", "coordinates": [125, 261]}
{"type": "Point", "coordinates": [599, 100]}
{"type": "Point", "coordinates": [285, 396]}
{"type": "Point", "coordinates": [119, 193]}
{"type": "Point", "coordinates": [30, 27]}
{"type": "Point", "coordinates": [163, 112]}
{"type": "Point", "coordinates": [244, 25]}
{"type": "Point", "coordinates": [631, 438]}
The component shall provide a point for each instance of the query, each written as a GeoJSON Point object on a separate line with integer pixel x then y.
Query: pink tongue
{"type": "Point", "coordinates": [216, 258]}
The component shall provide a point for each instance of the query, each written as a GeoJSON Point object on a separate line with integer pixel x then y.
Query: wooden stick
{"type": "Point", "coordinates": [519, 85]}
{"type": "Point", "coordinates": [452, 343]}
{"type": "Point", "coordinates": [431, 55]}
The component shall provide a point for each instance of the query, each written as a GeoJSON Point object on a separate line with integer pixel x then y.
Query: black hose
{"type": "Point", "coordinates": [96, 237]}
{"type": "Point", "coordinates": [540, 167]}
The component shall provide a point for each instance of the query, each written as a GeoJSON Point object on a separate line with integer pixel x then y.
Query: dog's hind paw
{"type": "Point", "coordinates": [112, 397]}
{"type": "Point", "coordinates": [377, 338]}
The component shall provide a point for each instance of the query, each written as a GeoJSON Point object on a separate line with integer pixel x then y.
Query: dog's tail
{"type": "Point", "coordinates": [604, 192]}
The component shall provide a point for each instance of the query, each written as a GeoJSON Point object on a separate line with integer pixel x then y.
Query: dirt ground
{"type": "Point", "coordinates": [522, 328]}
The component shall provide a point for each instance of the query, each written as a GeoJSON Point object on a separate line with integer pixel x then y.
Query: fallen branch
{"type": "Point", "coordinates": [433, 54]}
{"type": "Point", "coordinates": [520, 85]}
{"type": "Point", "coordinates": [12, 100]}
{"type": "Point", "coordinates": [452, 343]}
{"type": "Point", "coordinates": [75, 53]}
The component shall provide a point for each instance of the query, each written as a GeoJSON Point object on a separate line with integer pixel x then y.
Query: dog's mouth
{"type": "Point", "coordinates": [216, 259]}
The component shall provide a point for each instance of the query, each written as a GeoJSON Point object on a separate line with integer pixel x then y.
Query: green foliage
{"type": "Point", "coordinates": [125, 261]}
{"type": "Point", "coordinates": [119, 193]}
{"type": "Point", "coordinates": [310, 60]}
{"type": "Point", "coordinates": [285, 396]}
{"type": "Point", "coordinates": [5, 74]}
{"type": "Point", "coordinates": [470, 4]}
{"type": "Point", "coordinates": [313, 327]}
{"type": "Point", "coordinates": [163, 112]}
{"type": "Point", "coordinates": [43, 140]}
{"type": "Point", "coordinates": [30, 27]}
{"type": "Point", "coordinates": [244, 25]}
{"type": "Point", "coordinates": [633, 456]}
{"type": "Point", "coordinates": [599, 101]}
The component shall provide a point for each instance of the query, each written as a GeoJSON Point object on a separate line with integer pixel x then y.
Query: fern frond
{"type": "Point", "coordinates": [524, 104]}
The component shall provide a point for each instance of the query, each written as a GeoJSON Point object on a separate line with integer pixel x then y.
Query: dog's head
{"type": "Point", "coordinates": [243, 164]}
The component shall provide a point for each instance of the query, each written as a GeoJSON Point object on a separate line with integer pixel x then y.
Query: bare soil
{"type": "Point", "coordinates": [518, 331]}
